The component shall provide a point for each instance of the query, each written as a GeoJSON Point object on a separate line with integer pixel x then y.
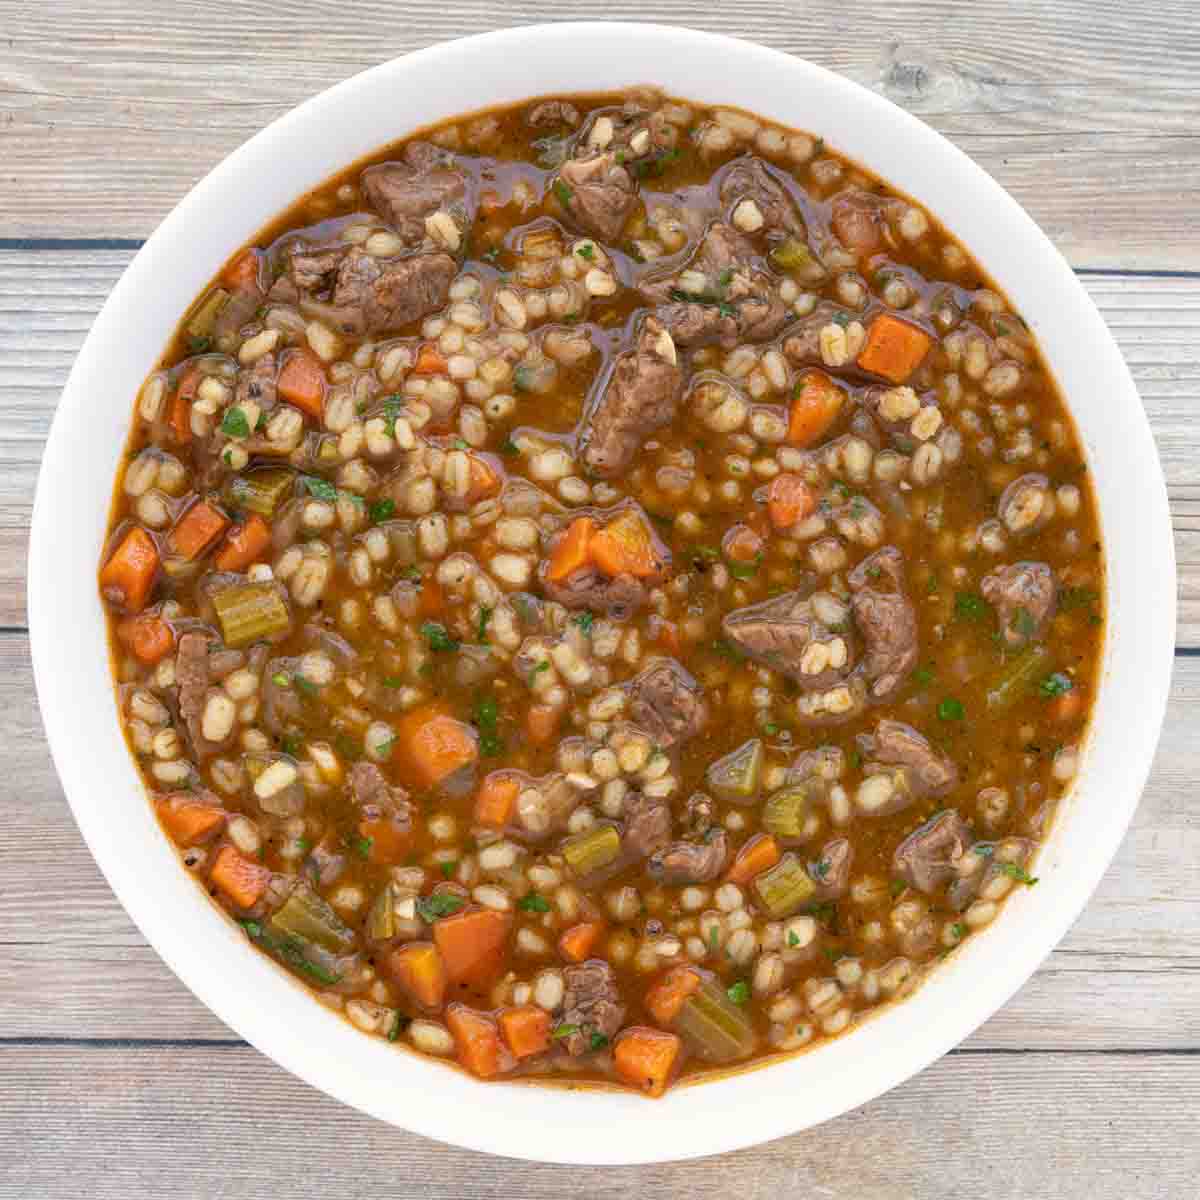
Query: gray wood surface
{"type": "Point", "coordinates": [116, 1082]}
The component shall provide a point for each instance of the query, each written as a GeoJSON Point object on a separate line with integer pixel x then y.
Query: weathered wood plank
{"type": "Point", "coordinates": [1127, 976]}
{"type": "Point", "coordinates": [48, 300]}
{"type": "Point", "coordinates": [1088, 118]}
{"type": "Point", "coordinates": [224, 1120]}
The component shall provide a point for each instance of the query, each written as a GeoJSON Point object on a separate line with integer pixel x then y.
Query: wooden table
{"type": "Point", "coordinates": [115, 1082]}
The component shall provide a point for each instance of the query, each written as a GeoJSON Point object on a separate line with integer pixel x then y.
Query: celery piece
{"type": "Point", "coordinates": [204, 317]}
{"type": "Point", "coordinates": [307, 917]}
{"type": "Point", "coordinates": [738, 776]}
{"type": "Point", "coordinates": [260, 491]}
{"type": "Point", "coordinates": [1018, 676]}
{"type": "Point", "coordinates": [714, 1028]}
{"type": "Point", "coordinates": [593, 850]}
{"type": "Point", "coordinates": [785, 888]}
{"type": "Point", "coordinates": [794, 256]}
{"type": "Point", "coordinates": [785, 812]}
{"type": "Point", "coordinates": [251, 612]}
{"type": "Point", "coordinates": [381, 919]}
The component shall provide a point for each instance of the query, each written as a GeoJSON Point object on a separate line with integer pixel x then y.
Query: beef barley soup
{"type": "Point", "coordinates": [605, 591]}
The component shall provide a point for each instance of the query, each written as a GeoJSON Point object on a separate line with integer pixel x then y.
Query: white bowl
{"type": "Point", "coordinates": [214, 959]}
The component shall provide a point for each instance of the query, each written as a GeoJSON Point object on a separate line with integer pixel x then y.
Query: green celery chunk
{"type": "Point", "coordinates": [794, 256]}
{"type": "Point", "coordinates": [381, 919]}
{"type": "Point", "coordinates": [204, 318]}
{"type": "Point", "coordinates": [785, 812]}
{"type": "Point", "coordinates": [785, 888]}
{"type": "Point", "coordinates": [251, 612]}
{"type": "Point", "coordinates": [715, 1028]}
{"type": "Point", "coordinates": [593, 850]}
{"type": "Point", "coordinates": [738, 776]}
{"type": "Point", "coordinates": [1018, 676]}
{"type": "Point", "coordinates": [261, 491]}
{"type": "Point", "coordinates": [308, 917]}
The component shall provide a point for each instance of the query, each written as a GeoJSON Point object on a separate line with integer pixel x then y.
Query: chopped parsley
{"type": "Point", "coordinates": [381, 511]}
{"type": "Point", "coordinates": [510, 447]}
{"type": "Point", "coordinates": [440, 904]}
{"type": "Point", "coordinates": [792, 939]}
{"type": "Point", "coordinates": [234, 423]}
{"type": "Point", "coordinates": [289, 951]}
{"type": "Point", "coordinates": [655, 166]}
{"type": "Point", "coordinates": [384, 748]}
{"type": "Point", "coordinates": [361, 846]}
{"type": "Point", "coordinates": [951, 709]}
{"type": "Point", "coordinates": [564, 1031]}
{"type": "Point", "coordinates": [491, 256]}
{"type": "Point", "coordinates": [485, 615]}
{"type": "Point", "coordinates": [437, 637]}
{"type": "Point", "coordinates": [739, 992]}
{"type": "Point", "coordinates": [397, 1027]}
{"type": "Point", "coordinates": [587, 250]}
{"type": "Point", "coordinates": [714, 938]}
{"type": "Point", "coordinates": [1055, 685]}
{"type": "Point", "coordinates": [534, 903]}
{"type": "Point", "coordinates": [305, 685]}
{"type": "Point", "coordinates": [523, 379]}
{"type": "Point", "coordinates": [1023, 623]}
{"type": "Point", "coordinates": [585, 620]}
{"type": "Point", "coordinates": [279, 679]}
{"type": "Point", "coordinates": [198, 345]}
{"type": "Point", "coordinates": [841, 318]}
{"type": "Point", "coordinates": [958, 931]}
{"type": "Point", "coordinates": [447, 868]}
{"type": "Point", "coordinates": [1018, 873]}
{"type": "Point", "coordinates": [562, 193]}
{"type": "Point", "coordinates": [598, 1040]}
{"type": "Point", "coordinates": [392, 408]}
{"type": "Point", "coordinates": [922, 677]}
{"type": "Point", "coordinates": [896, 887]}
{"type": "Point", "coordinates": [291, 744]}
{"type": "Point", "coordinates": [1072, 598]}
{"type": "Point", "coordinates": [969, 607]}
{"type": "Point", "coordinates": [320, 489]}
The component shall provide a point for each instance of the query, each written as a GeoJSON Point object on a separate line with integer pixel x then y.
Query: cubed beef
{"type": "Point", "coordinates": [592, 1006]}
{"type": "Point", "coordinates": [666, 702]}
{"type": "Point", "coordinates": [690, 862]}
{"type": "Point", "coordinates": [886, 620]}
{"type": "Point", "coordinates": [1023, 595]}
{"type": "Point", "coordinates": [929, 856]}
{"type": "Point", "coordinates": [598, 194]}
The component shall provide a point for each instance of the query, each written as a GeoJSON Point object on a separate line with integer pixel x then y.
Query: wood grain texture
{"type": "Point", "coordinates": [1087, 115]}
{"type": "Point", "coordinates": [224, 1121]}
{"type": "Point", "coordinates": [48, 300]}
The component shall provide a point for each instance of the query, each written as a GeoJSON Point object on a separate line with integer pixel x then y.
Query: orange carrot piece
{"type": "Point", "coordinates": [241, 879]}
{"type": "Point", "coordinates": [430, 361]}
{"type": "Point", "coordinates": [478, 1040]}
{"type": "Point", "coordinates": [1066, 706]}
{"type": "Point", "coordinates": [148, 637]}
{"type": "Point", "coordinates": [130, 573]}
{"type": "Point", "coordinates": [472, 945]}
{"type": "Point", "coordinates": [418, 971]}
{"type": "Point", "coordinates": [497, 800]}
{"type": "Point", "coordinates": [666, 997]}
{"type": "Point", "coordinates": [242, 273]}
{"type": "Point", "coordinates": [572, 550]}
{"type": "Point", "coordinates": [667, 636]}
{"type": "Point", "coordinates": [894, 348]}
{"type": "Point", "coordinates": [180, 413]}
{"type": "Point", "coordinates": [759, 854]}
{"type": "Point", "coordinates": [541, 723]}
{"type": "Point", "coordinates": [244, 545]}
{"type": "Point", "coordinates": [789, 500]}
{"type": "Point", "coordinates": [431, 744]}
{"type": "Point", "coordinates": [626, 546]}
{"type": "Point", "coordinates": [197, 529]}
{"type": "Point", "coordinates": [577, 943]}
{"type": "Point", "coordinates": [302, 383]}
{"type": "Point", "coordinates": [187, 820]}
{"type": "Point", "coordinates": [389, 838]}
{"type": "Point", "coordinates": [526, 1029]}
{"type": "Point", "coordinates": [815, 407]}
{"type": "Point", "coordinates": [483, 482]}
{"type": "Point", "coordinates": [644, 1058]}
{"type": "Point", "coordinates": [431, 602]}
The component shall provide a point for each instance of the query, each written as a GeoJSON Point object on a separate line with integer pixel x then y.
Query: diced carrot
{"type": "Point", "coordinates": [526, 1029]}
{"type": "Point", "coordinates": [180, 415]}
{"type": "Point", "coordinates": [541, 723]}
{"type": "Point", "coordinates": [626, 545]}
{"type": "Point", "coordinates": [129, 574]}
{"type": "Point", "coordinates": [431, 601]}
{"type": "Point", "coordinates": [666, 997]}
{"type": "Point", "coordinates": [490, 201]}
{"type": "Point", "coordinates": [789, 500]}
{"type": "Point", "coordinates": [759, 854]}
{"type": "Point", "coordinates": [741, 544]}
{"type": "Point", "coordinates": [197, 529]}
{"type": "Point", "coordinates": [245, 544]}
{"type": "Point", "coordinates": [497, 800]}
{"type": "Point", "coordinates": [241, 879]}
{"type": "Point", "coordinates": [477, 1038]}
{"type": "Point", "coordinates": [302, 383]}
{"type": "Point", "coordinates": [148, 637]}
{"type": "Point", "coordinates": [1066, 706]}
{"type": "Point", "coordinates": [483, 482]}
{"type": "Point", "coordinates": [667, 636]}
{"type": "Point", "coordinates": [644, 1058]}
{"type": "Point", "coordinates": [815, 407]}
{"type": "Point", "coordinates": [472, 945]}
{"type": "Point", "coordinates": [418, 971]}
{"type": "Point", "coordinates": [894, 348]}
{"type": "Point", "coordinates": [430, 361]}
{"type": "Point", "coordinates": [431, 744]}
{"type": "Point", "coordinates": [188, 820]}
{"type": "Point", "coordinates": [389, 838]}
{"type": "Point", "coordinates": [572, 550]}
{"type": "Point", "coordinates": [577, 943]}
{"type": "Point", "coordinates": [242, 273]}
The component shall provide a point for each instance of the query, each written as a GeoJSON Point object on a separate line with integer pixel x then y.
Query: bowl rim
{"type": "Point", "coordinates": [251, 994]}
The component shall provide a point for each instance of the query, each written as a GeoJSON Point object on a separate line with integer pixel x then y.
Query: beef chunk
{"type": "Point", "coordinates": [282, 705]}
{"type": "Point", "coordinates": [256, 383]}
{"type": "Point", "coordinates": [405, 193]}
{"type": "Point", "coordinates": [929, 856]}
{"type": "Point", "coordinates": [589, 588]}
{"type": "Point", "coordinates": [312, 270]}
{"type": "Point", "coordinates": [194, 678]}
{"type": "Point", "coordinates": [896, 744]}
{"type": "Point", "coordinates": [552, 113]}
{"type": "Point", "coordinates": [666, 702]}
{"type": "Point", "coordinates": [373, 295]}
{"type": "Point", "coordinates": [640, 396]}
{"type": "Point", "coordinates": [1023, 595]}
{"type": "Point", "coordinates": [592, 1003]}
{"type": "Point", "coordinates": [690, 862]}
{"type": "Point", "coordinates": [886, 620]}
{"type": "Point", "coordinates": [749, 178]}
{"type": "Point", "coordinates": [647, 825]}
{"type": "Point", "coordinates": [857, 221]}
{"type": "Point", "coordinates": [738, 302]}
{"type": "Point", "coordinates": [699, 813]}
{"type": "Point", "coordinates": [831, 872]}
{"type": "Point", "coordinates": [377, 799]}
{"type": "Point", "coordinates": [785, 634]}
{"type": "Point", "coordinates": [599, 193]}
